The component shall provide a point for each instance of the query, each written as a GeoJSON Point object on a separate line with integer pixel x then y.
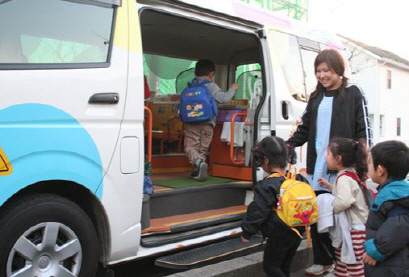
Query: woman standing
{"type": "Point", "coordinates": [335, 109]}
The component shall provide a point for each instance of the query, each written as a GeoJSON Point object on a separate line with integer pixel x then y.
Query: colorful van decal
{"type": "Point", "coordinates": [5, 165]}
{"type": "Point", "coordinates": [45, 143]}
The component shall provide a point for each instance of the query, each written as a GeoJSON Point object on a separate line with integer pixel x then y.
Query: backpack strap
{"type": "Point", "coordinates": [351, 175]}
{"type": "Point", "coordinates": [275, 175]}
{"type": "Point", "coordinates": [355, 177]}
{"type": "Point", "coordinates": [196, 82]}
{"type": "Point", "coordinates": [289, 175]}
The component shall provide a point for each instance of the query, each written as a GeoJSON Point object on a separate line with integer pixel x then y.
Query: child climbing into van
{"type": "Point", "coordinates": [348, 157]}
{"type": "Point", "coordinates": [198, 135]}
{"type": "Point", "coordinates": [271, 154]}
{"type": "Point", "coordinates": [387, 228]}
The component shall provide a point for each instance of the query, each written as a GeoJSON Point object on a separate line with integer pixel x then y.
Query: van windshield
{"type": "Point", "coordinates": [54, 31]}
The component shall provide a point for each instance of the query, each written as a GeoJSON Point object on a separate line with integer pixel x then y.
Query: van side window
{"type": "Point", "coordinates": [248, 77]}
{"type": "Point", "coordinates": [308, 58]}
{"type": "Point", "coordinates": [59, 32]}
{"type": "Point", "coordinates": [167, 75]}
{"type": "Point", "coordinates": [293, 70]}
{"type": "Point", "coordinates": [309, 51]}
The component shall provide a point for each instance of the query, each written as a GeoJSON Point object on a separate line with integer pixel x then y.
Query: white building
{"type": "Point", "coordinates": [384, 78]}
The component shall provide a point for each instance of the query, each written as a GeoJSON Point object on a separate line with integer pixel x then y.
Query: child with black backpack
{"type": "Point", "coordinates": [348, 157]}
{"type": "Point", "coordinates": [198, 115]}
{"type": "Point", "coordinates": [271, 154]}
{"type": "Point", "coordinates": [387, 228]}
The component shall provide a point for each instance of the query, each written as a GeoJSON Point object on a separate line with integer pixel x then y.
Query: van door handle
{"type": "Point", "coordinates": [104, 98]}
{"type": "Point", "coordinates": [284, 109]}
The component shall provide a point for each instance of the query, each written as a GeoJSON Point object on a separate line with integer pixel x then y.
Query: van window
{"type": "Point", "coordinates": [167, 75]}
{"type": "Point", "coordinates": [308, 58]}
{"type": "Point", "coordinates": [293, 70]}
{"type": "Point", "coordinates": [248, 77]}
{"type": "Point", "coordinates": [58, 32]}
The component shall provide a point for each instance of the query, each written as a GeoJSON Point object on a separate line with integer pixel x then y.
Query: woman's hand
{"type": "Point", "coordinates": [368, 259]}
{"type": "Point", "coordinates": [295, 126]}
{"type": "Point", "coordinates": [324, 183]}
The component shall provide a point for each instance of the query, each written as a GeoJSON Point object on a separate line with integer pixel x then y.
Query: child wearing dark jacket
{"type": "Point", "coordinates": [271, 154]}
{"type": "Point", "coordinates": [387, 228]}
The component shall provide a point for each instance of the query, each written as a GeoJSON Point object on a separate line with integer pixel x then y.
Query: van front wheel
{"type": "Point", "coordinates": [47, 235]}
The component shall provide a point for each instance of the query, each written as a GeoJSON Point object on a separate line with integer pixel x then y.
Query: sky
{"type": "Point", "coordinates": [383, 24]}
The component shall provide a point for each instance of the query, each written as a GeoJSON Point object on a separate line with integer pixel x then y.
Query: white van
{"type": "Point", "coordinates": [76, 133]}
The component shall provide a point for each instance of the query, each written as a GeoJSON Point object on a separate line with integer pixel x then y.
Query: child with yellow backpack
{"type": "Point", "coordinates": [281, 206]}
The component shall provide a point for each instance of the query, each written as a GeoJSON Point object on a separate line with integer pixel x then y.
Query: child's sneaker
{"type": "Point", "coordinates": [317, 269]}
{"type": "Point", "coordinates": [202, 170]}
{"type": "Point", "coordinates": [195, 171]}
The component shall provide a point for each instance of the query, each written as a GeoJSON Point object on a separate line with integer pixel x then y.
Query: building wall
{"type": "Point", "coordinates": [365, 73]}
{"type": "Point", "coordinates": [394, 102]}
{"type": "Point", "coordinates": [371, 75]}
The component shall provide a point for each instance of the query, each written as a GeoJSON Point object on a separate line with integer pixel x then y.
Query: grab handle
{"type": "Point", "coordinates": [149, 112]}
{"type": "Point", "coordinates": [232, 138]}
{"type": "Point", "coordinates": [104, 98]}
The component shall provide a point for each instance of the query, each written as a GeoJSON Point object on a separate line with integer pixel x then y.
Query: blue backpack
{"type": "Point", "coordinates": [196, 102]}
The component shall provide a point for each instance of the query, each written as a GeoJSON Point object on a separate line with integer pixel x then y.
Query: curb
{"type": "Point", "coordinates": [250, 265]}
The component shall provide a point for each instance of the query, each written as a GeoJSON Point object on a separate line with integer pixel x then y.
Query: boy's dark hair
{"type": "Point", "coordinates": [204, 67]}
{"type": "Point", "coordinates": [394, 156]}
{"type": "Point", "coordinates": [274, 149]}
{"type": "Point", "coordinates": [353, 154]}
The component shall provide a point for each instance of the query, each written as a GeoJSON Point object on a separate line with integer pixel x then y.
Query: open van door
{"type": "Point", "coordinates": [292, 60]}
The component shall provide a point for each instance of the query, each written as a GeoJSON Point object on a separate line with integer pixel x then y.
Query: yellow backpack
{"type": "Point", "coordinates": [297, 203]}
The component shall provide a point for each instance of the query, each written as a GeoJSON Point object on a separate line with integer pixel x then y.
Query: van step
{"type": "Point", "coordinates": [186, 222]}
{"type": "Point", "coordinates": [162, 239]}
{"type": "Point", "coordinates": [211, 253]}
{"type": "Point", "coordinates": [196, 199]}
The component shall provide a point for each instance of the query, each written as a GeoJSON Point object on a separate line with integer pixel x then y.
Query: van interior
{"type": "Point", "coordinates": [182, 208]}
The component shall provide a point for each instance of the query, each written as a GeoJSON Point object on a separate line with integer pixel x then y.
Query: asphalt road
{"type": "Point", "coordinates": [141, 268]}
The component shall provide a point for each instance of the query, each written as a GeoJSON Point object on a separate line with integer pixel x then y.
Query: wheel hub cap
{"type": "Point", "coordinates": [44, 262]}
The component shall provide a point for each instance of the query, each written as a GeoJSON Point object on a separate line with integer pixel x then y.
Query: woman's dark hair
{"type": "Point", "coordinates": [353, 154]}
{"type": "Point", "coordinates": [274, 149]}
{"type": "Point", "coordinates": [204, 67]}
{"type": "Point", "coordinates": [336, 63]}
{"type": "Point", "coordinates": [394, 156]}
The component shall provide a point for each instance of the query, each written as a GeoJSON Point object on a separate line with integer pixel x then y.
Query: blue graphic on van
{"type": "Point", "coordinates": [44, 143]}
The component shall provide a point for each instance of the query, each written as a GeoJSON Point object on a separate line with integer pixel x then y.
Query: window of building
{"type": "Point", "coordinates": [55, 32]}
{"type": "Point", "coordinates": [382, 125]}
{"type": "Point", "coordinates": [398, 126]}
{"type": "Point", "coordinates": [389, 79]}
{"type": "Point", "coordinates": [372, 120]}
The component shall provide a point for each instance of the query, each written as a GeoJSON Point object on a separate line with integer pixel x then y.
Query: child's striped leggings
{"type": "Point", "coordinates": [352, 270]}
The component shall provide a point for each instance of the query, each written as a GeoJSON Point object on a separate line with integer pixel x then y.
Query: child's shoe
{"type": "Point", "coordinates": [317, 269]}
{"type": "Point", "coordinates": [195, 171]}
{"type": "Point", "coordinates": [202, 170]}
